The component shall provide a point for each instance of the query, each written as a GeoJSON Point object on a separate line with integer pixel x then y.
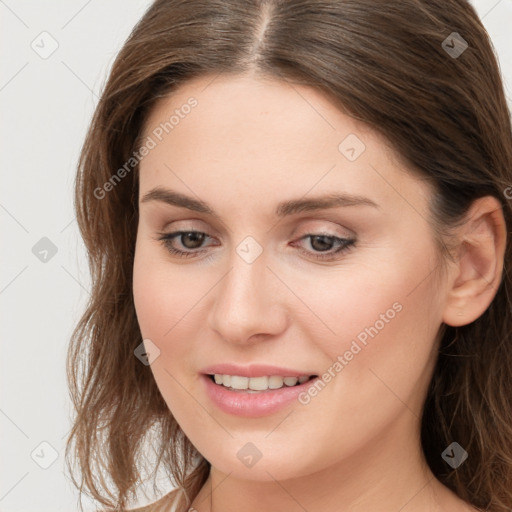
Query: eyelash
{"type": "Point", "coordinates": [345, 245]}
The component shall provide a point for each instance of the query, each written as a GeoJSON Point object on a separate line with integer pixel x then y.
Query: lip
{"type": "Point", "coordinates": [254, 370]}
{"type": "Point", "coordinates": [254, 405]}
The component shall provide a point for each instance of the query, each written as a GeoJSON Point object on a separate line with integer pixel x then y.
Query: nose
{"type": "Point", "coordinates": [247, 304]}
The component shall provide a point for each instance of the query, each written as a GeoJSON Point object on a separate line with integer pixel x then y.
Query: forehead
{"type": "Point", "coordinates": [264, 113]}
{"type": "Point", "coordinates": [261, 140]}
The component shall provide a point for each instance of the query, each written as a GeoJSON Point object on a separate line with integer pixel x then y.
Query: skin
{"type": "Point", "coordinates": [249, 144]}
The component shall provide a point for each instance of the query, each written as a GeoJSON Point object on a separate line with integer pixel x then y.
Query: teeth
{"type": "Point", "coordinates": [258, 383]}
{"type": "Point", "coordinates": [275, 382]}
{"type": "Point", "coordinates": [237, 382]}
{"type": "Point", "coordinates": [290, 381]}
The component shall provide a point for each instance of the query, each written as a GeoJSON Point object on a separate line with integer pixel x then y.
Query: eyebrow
{"type": "Point", "coordinates": [286, 208]}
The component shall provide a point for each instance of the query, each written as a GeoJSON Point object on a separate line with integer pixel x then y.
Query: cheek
{"type": "Point", "coordinates": [161, 295]}
{"type": "Point", "coordinates": [170, 310]}
{"type": "Point", "coordinates": [162, 300]}
{"type": "Point", "coordinates": [382, 316]}
{"type": "Point", "coordinates": [381, 356]}
{"type": "Point", "coordinates": [149, 303]}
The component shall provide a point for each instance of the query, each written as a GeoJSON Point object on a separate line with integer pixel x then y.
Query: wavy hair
{"type": "Point", "coordinates": [385, 63]}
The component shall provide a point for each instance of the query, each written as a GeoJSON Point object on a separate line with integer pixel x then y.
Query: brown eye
{"type": "Point", "coordinates": [325, 247]}
{"type": "Point", "coordinates": [190, 242]}
{"type": "Point", "coordinates": [321, 242]}
{"type": "Point", "coordinates": [322, 246]}
{"type": "Point", "coordinates": [192, 239]}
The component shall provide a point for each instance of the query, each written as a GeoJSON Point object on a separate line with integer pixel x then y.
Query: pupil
{"type": "Point", "coordinates": [196, 238]}
{"type": "Point", "coordinates": [325, 242]}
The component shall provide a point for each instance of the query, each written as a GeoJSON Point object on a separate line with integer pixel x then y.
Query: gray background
{"type": "Point", "coordinates": [46, 103]}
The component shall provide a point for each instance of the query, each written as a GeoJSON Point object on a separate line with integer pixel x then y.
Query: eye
{"type": "Point", "coordinates": [322, 244]}
{"type": "Point", "coordinates": [188, 239]}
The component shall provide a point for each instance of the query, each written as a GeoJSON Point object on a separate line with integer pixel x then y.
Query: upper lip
{"type": "Point", "coordinates": [254, 370]}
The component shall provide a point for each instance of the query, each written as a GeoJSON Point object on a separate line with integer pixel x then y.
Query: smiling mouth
{"type": "Point", "coordinates": [258, 384]}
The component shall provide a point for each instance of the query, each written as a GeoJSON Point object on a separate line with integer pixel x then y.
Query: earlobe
{"type": "Point", "coordinates": [477, 272]}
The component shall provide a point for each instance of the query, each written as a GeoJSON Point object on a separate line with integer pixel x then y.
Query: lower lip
{"type": "Point", "coordinates": [253, 405]}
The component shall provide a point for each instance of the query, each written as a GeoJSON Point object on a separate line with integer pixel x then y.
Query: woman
{"type": "Point", "coordinates": [296, 215]}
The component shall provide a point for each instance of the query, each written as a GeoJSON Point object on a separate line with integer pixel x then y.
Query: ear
{"type": "Point", "coordinates": [477, 272]}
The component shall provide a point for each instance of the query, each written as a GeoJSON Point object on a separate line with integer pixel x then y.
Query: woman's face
{"type": "Point", "coordinates": [281, 272]}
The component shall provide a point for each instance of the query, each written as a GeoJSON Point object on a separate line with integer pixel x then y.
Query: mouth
{"type": "Point", "coordinates": [238, 383]}
{"type": "Point", "coordinates": [234, 394]}
{"type": "Point", "coordinates": [255, 390]}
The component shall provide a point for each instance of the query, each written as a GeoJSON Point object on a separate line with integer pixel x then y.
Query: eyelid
{"type": "Point", "coordinates": [344, 245]}
{"type": "Point", "coordinates": [297, 234]}
{"type": "Point", "coordinates": [328, 226]}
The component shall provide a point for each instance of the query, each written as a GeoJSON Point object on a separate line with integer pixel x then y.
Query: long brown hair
{"type": "Point", "coordinates": [386, 63]}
